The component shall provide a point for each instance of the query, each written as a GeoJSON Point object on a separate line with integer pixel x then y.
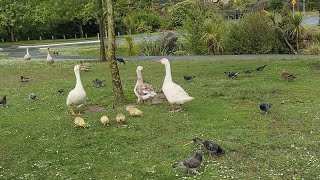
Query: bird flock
{"type": "Point", "coordinates": [144, 92]}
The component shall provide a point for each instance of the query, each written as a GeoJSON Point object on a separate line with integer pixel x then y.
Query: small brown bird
{"type": "Point", "coordinates": [120, 118]}
{"type": "Point", "coordinates": [287, 76]}
{"type": "Point", "coordinates": [104, 120]}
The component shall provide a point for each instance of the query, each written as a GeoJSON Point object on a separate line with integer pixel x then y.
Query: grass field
{"type": "Point", "coordinates": [39, 141]}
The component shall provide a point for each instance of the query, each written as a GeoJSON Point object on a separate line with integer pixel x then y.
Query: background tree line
{"type": "Point", "coordinates": [203, 24]}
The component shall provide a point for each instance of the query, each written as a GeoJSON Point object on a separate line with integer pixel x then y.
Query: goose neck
{"type": "Point", "coordinates": [78, 80]}
{"type": "Point", "coordinates": [168, 76]}
{"type": "Point", "coordinates": [139, 77]}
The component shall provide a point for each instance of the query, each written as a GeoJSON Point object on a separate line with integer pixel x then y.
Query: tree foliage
{"type": "Point", "coordinates": [276, 5]}
{"type": "Point", "coordinates": [58, 18]}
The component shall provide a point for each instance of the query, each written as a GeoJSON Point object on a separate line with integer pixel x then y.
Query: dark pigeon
{"type": "Point", "coordinates": [188, 78]}
{"type": "Point", "coordinates": [213, 148]}
{"type": "Point", "coordinates": [24, 79]}
{"type": "Point", "coordinates": [3, 101]}
{"type": "Point", "coordinates": [231, 74]}
{"type": "Point", "coordinates": [61, 91]}
{"type": "Point", "coordinates": [261, 68]}
{"type": "Point", "coordinates": [247, 72]}
{"type": "Point", "coordinates": [190, 164]}
{"type": "Point", "coordinates": [265, 107]}
{"type": "Point", "coordinates": [32, 96]}
{"type": "Point", "coordinates": [98, 83]}
{"type": "Point", "coordinates": [121, 60]}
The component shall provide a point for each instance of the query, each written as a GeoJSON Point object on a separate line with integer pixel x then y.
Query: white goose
{"type": "Point", "coordinates": [173, 92]}
{"type": "Point", "coordinates": [27, 56]}
{"type": "Point", "coordinates": [142, 90]}
{"type": "Point", "coordinates": [50, 60]}
{"type": "Point", "coordinates": [77, 96]}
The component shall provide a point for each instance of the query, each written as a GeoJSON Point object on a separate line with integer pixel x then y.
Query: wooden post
{"type": "Point", "coordinates": [86, 35]}
{"type": "Point", "coordinates": [40, 38]}
{"type": "Point", "coordinates": [75, 36]}
{"type": "Point", "coordinates": [64, 36]}
{"type": "Point", "coordinates": [118, 33]}
{"type": "Point", "coordinates": [28, 38]}
{"type": "Point", "coordinates": [2, 40]}
{"type": "Point", "coordinates": [52, 37]}
{"type": "Point", "coordinates": [98, 36]}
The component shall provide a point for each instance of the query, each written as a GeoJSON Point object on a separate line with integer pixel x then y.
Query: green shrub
{"type": "Point", "coordinates": [317, 36]}
{"type": "Point", "coordinates": [143, 21]}
{"type": "Point", "coordinates": [165, 45]}
{"type": "Point", "coordinates": [313, 49]}
{"type": "Point", "coordinates": [181, 12]}
{"type": "Point", "coordinates": [252, 35]}
{"type": "Point", "coordinates": [276, 5]}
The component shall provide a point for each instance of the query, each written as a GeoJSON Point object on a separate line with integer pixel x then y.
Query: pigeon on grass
{"type": "Point", "coordinates": [213, 148]}
{"type": "Point", "coordinates": [190, 164]}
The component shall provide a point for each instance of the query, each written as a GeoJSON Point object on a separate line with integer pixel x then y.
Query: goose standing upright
{"type": "Point", "coordinates": [27, 56]}
{"type": "Point", "coordinates": [173, 92]}
{"type": "Point", "coordinates": [77, 96]}
{"type": "Point", "coordinates": [50, 60]}
{"type": "Point", "coordinates": [142, 90]}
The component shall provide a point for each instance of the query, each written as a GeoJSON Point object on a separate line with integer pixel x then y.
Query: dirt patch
{"type": "Point", "coordinates": [93, 108]}
{"type": "Point", "coordinates": [158, 99]}
{"type": "Point", "coordinates": [316, 68]}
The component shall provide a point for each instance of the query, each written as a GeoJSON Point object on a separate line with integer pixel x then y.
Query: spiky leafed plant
{"type": "Point", "coordinates": [296, 21]}
{"type": "Point", "coordinates": [213, 37]}
{"type": "Point", "coordinates": [275, 21]}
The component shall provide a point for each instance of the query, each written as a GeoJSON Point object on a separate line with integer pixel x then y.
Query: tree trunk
{"type": "Point", "coordinates": [100, 19]}
{"type": "Point", "coordinates": [115, 75]}
{"type": "Point", "coordinates": [81, 30]}
{"type": "Point", "coordinates": [297, 41]}
{"type": "Point", "coordinates": [287, 42]}
{"type": "Point", "coordinates": [11, 32]}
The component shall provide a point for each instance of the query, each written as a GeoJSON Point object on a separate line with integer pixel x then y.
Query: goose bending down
{"type": "Point", "coordinates": [173, 92]}
{"type": "Point", "coordinates": [77, 96]}
{"type": "Point", "coordinates": [50, 60]}
{"type": "Point", "coordinates": [143, 90]}
{"type": "Point", "coordinates": [27, 56]}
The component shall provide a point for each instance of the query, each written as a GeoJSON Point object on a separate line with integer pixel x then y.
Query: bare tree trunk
{"type": "Point", "coordinates": [81, 30]}
{"type": "Point", "coordinates": [287, 42]}
{"type": "Point", "coordinates": [11, 32]}
{"type": "Point", "coordinates": [100, 18]}
{"type": "Point", "coordinates": [116, 81]}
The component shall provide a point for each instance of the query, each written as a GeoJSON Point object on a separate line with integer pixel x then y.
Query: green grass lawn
{"type": "Point", "coordinates": [39, 141]}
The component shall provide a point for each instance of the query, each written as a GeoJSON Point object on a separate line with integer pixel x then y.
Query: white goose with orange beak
{"type": "Point", "coordinates": [77, 96]}
{"type": "Point", "coordinates": [173, 92]}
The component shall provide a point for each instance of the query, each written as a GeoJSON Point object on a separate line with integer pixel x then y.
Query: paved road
{"type": "Point", "coordinates": [20, 51]}
{"type": "Point", "coordinates": [311, 19]}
